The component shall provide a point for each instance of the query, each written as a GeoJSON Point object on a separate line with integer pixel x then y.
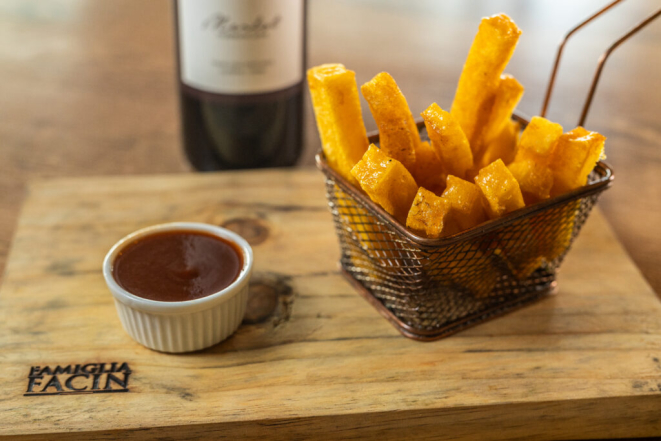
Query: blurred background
{"type": "Point", "coordinates": [89, 87]}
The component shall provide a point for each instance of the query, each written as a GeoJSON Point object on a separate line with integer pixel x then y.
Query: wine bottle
{"type": "Point", "coordinates": [241, 77]}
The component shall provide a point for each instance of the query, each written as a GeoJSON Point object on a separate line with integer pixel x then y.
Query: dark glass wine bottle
{"type": "Point", "coordinates": [241, 76]}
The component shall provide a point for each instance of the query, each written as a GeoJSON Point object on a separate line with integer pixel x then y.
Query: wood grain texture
{"type": "Point", "coordinates": [582, 364]}
{"type": "Point", "coordinates": [88, 87]}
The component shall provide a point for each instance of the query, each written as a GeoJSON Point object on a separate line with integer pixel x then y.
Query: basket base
{"type": "Point", "coordinates": [453, 328]}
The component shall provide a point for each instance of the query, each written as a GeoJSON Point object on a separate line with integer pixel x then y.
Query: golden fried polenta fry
{"type": "Point", "coordinates": [538, 140]}
{"type": "Point", "coordinates": [501, 191]}
{"type": "Point", "coordinates": [427, 171]}
{"type": "Point", "coordinates": [558, 230]}
{"type": "Point", "coordinates": [531, 165]}
{"type": "Point", "coordinates": [430, 215]}
{"type": "Point", "coordinates": [504, 145]}
{"type": "Point", "coordinates": [521, 252]}
{"type": "Point", "coordinates": [448, 140]}
{"type": "Point", "coordinates": [507, 97]}
{"type": "Point", "coordinates": [573, 158]}
{"type": "Point", "coordinates": [466, 262]}
{"type": "Point", "coordinates": [336, 106]}
{"type": "Point", "coordinates": [466, 200]}
{"type": "Point", "coordinates": [571, 161]}
{"type": "Point", "coordinates": [490, 52]}
{"type": "Point", "coordinates": [386, 181]}
{"type": "Point", "coordinates": [398, 134]}
{"type": "Point", "coordinates": [535, 179]}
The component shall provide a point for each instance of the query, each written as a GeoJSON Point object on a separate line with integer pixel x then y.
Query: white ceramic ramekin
{"type": "Point", "coordinates": [182, 326]}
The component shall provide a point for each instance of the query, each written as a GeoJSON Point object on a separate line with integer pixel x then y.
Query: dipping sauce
{"type": "Point", "coordinates": [175, 266]}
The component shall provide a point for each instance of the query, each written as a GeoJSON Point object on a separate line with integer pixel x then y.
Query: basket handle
{"type": "Point", "coordinates": [601, 62]}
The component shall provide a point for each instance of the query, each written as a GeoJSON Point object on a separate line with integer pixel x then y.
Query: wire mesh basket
{"type": "Point", "coordinates": [431, 288]}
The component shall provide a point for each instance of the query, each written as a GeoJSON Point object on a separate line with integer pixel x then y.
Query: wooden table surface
{"type": "Point", "coordinates": [88, 87]}
{"type": "Point", "coordinates": [585, 363]}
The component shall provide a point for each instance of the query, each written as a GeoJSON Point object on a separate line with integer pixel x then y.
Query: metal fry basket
{"type": "Point", "coordinates": [431, 288]}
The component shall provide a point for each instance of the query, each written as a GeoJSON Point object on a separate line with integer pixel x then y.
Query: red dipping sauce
{"type": "Point", "coordinates": [175, 266]}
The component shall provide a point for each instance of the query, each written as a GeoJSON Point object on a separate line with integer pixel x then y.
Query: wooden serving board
{"type": "Point", "coordinates": [585, 363]}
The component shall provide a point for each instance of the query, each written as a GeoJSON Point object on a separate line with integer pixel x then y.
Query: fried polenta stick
{"type": "Point", "coordinates": [336, 106]}
{"type": "Point", "coordinates": [466, 200]}
{"type": "Point", "coordinates": [531, 165]}
{"type": "Point", "coordinates": [538, 139]}
{"type": "Point", "coordinates": [523, 253]}
{"type": "Point", "coordinates": [502, 195]}
{"type": "Point", "coordinates": [504, 146]}
{"type": "Point", "coordinates": [430, 215]}
{"type": "Point", "coordinates": [573, 159]}
{"type": "Point", "coordinates": [558, 230]}
{"type": "Point", "coordinates": [448, 140]}
{"type": "Point", "coordinates": [386, 181]}
{"type": "Point", "coordinates": [492, 49]}
{"type": "Point", "coordinates": [501, 191]}
{"type": "Point", "coordinates": [428, 169]}
{"type": "Point", "coordinates": [507, 97]}
{"type": "Point", "coordinates": [398, 134]}
{"type": "Point", "coordinates": [534, 178]}
{"type": "Point", "coordinates": [463, 271]}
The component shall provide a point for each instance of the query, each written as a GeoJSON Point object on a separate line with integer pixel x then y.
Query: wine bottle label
{"type": "Point", "coordinates": [240, 46]}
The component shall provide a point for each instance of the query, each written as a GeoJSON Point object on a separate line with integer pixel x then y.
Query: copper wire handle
{"type": "Point", "coordinates": [601, 62]}
{"type": "Point", "coordinates": [604, 57]}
